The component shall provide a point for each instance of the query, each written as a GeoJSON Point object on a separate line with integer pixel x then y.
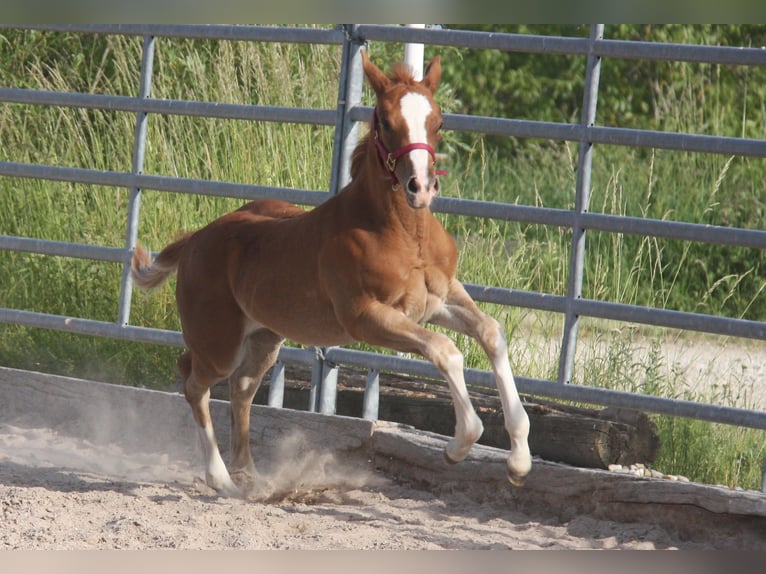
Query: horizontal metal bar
{"type": "Point", "coordinates": [595, 134]}
{"type": "Point", "coordinates": [495, 126]}
{"type": "Point", "coordinates": [202, 31]}
{"type": "Point", "coordinates": [458, 122]}
{"type": "Point", "coordinates": [169, 107]}
{"type": "Point", "coordinates": [699, 232]}
{"type": "Point", "coordinates": [620, 312]}
{"type": "Point", "coordinates": [607, 135]}
{"type": "Point", "coordinates": [670, 318]}
{"type": "Point", "coordinates": [337, 355]}
{"type": "Point", "coordinates": [529, 43]}
{"type": "Point", "coordinates": [91, 327]}
{"type": "Point", "coordinates": [504, 211]}
{"type": "Point", "coordinates": [532, 43]}
{"type": "Point", "coordinates": [648, 403]}
{"type": "Point", "coordinates": [516, 298]}
{"type": "Point", "coordinates": [63, 249]}
{"type": "Point", "coordinates": [124, 332]}
{"type": "Point", "coordinates": [674, 52]}
{"type": "Point", "coordinates": [297, 355]}
{"type": "Point", "coordinates": [593, 395]}
{"type": "Point", "coordinates": [497, 295]}
{"type": "Point", "coordinates": [702, 233]}
{"type": "Point", "coordinates": [675, 141]}
{"type": "Point", "coordinates": [473, 39]}
{"type": "Point", "coordinates": [160, 183]}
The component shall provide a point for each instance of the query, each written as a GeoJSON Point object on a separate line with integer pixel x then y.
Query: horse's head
{"type": "Point", "coordinates": [406, 125]}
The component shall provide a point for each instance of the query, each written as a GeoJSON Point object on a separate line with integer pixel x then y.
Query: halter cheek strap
{"type": "Point", "coordinates": [389, 158]}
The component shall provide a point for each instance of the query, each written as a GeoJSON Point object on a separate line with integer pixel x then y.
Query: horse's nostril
{"type": "Point", "coordinates": [413, 186]}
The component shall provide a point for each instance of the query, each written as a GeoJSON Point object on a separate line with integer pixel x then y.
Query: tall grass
{"type": "Point", "coordinates": [270, 154]}
{"type": "Point", "coordinates": [630, 269]}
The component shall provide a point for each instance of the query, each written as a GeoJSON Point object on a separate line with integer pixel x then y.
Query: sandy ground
{"type": "Point", "coordinates": [61, 492]}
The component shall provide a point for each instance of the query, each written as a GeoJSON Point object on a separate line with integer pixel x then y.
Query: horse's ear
{"type": "Point", "coordinates": [377, 79]}
{"type": "Point", "coordinates": [433, 74]}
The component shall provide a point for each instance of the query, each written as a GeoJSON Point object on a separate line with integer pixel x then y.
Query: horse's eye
{"type": "Point", "coordinates": [441, 125]}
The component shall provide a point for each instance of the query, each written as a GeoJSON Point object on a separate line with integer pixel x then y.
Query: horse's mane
{"type": "Point", "coordinates": [357, 157]}
{"type": "Point", "coordinates": [399, 73]}
{"type": "Point", "coordinates": [402, 73]}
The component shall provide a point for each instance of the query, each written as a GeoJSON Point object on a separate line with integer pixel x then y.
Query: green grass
{"type": "Point", "coordinates": [630, 269]}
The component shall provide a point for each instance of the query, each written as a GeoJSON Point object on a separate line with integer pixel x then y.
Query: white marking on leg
{"type": "Point", "coordinates": [216, 474]}
{"type": "Point", "coordinates": [468, 425]}
{"type": "Point", "coordinates": [516, 419]}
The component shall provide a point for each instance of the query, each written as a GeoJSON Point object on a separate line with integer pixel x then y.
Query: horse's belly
{"type": "Point", "coordinates": [302, 319]}
{"type": "Point", "coordinates": [325, 334]}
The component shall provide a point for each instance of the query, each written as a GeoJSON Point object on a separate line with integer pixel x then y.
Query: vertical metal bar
{"type": "Point", "coordinates": [277, 386]}
{"type": "Point", "coordinates": [413, 55]}
{"type": "Point", "coordinates": [371, 401]}
{"type": "Point", "coordinates": [349, 95]}
{"type": "Point", "coordinates": [316, 382]}
{"type": "Point", "coordinates": [582, 201]}
{"type": "Point", "coordinates": [134, 202]}
{"type": "Point", "coordinates": [323, 376]}
{"type": "Point", "coordinates": [328, 389]}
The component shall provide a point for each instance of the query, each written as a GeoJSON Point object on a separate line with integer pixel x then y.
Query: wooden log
{"type": "Point", "coordinates": [588, 438]}
{"type": "Point", "coordinates": [727, 519]}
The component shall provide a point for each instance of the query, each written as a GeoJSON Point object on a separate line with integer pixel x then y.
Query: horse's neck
{"type": "Point", "coordinates": [387, 207]}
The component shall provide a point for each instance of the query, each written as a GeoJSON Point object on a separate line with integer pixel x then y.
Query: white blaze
{"type": "Point", "coordinates": [415, 110]}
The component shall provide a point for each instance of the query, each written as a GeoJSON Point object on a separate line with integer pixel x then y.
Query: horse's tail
{"type": "Point", "coordinates": [148, 274]}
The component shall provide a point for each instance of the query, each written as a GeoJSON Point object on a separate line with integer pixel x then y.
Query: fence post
{"type": "Point", "coordinates": [413, 55]}
{"type": "Point", "coordinates": [277, 386]}
{"type": "Point", "coordinates": [349, 95]}
{"type": "Point", "coordinates": [582, 200]}
{"type": "Point", "coordinates": [328, 390]}
{"type": "Point", "coordinates": [324, 376]}
{"type": "Point", "coordinates": [324, 380]}
{"type": "Point", "coordinates": [371, 400]}
{"type": "Point", "coordinates": [134, 202]}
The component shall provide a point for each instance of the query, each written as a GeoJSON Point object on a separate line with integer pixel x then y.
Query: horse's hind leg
{"type": "Point", "coordinates": [197, 383]}
{"type": "Point", "coordinates": [260, 352]}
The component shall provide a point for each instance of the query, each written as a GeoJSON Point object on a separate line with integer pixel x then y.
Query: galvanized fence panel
{"type": "Point", "coordinates": [345, 119]}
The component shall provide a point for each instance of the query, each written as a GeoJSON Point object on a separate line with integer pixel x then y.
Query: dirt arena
{"type": "Point", "coordinates": [90, 466]}
{"type": "Point", "coordinates": [60, 492]}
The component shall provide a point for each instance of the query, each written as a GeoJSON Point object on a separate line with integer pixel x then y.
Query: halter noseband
{"type": "Point", "coordinates": [389, 158]}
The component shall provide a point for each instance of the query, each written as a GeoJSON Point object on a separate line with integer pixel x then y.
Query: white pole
{"type": "Point", "coordinates": [413, 55]}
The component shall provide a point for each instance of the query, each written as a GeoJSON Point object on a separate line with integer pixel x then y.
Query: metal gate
{"type": "Point", "coordinates": [345, 119]}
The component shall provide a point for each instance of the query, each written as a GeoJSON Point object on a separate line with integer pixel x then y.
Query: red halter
{"type": "Point", "coordinates": [389, 158]}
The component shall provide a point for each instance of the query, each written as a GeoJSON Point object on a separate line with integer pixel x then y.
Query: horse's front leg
{"type": "Point", "coordinates": [384, 326]}
{"type": "Point", "coordinates": [461, 314]}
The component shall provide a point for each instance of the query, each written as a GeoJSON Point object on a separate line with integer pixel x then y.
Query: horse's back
{"type": "Point", "coordinates": [274, 208]}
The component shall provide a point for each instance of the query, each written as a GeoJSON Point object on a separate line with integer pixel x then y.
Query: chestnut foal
{"type": "Point", "coordinates": [370, 264]}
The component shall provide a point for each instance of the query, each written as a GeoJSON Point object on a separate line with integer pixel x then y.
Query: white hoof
{"type": "Point", "coordinates": [224, 486]}
{"type": "Point", "coordinates": [454, 452]}
{"type": "Point", "coordinates": [519, 464]}
{"type": "Point", "coordinates": [459, 446]}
